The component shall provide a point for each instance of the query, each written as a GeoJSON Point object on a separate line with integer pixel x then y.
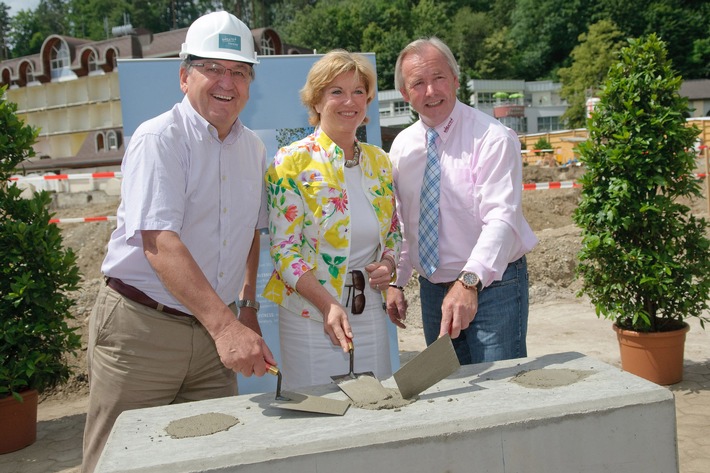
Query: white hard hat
{"type": "Point", "coordinates": [219, 35]}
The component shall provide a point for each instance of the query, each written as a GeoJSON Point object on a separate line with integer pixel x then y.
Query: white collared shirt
{"type": "Point", "coordinates": [178, 176]}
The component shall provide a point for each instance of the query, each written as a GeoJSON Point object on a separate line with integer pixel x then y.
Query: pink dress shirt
{"type": "Point", "coordinates": [481, 226]}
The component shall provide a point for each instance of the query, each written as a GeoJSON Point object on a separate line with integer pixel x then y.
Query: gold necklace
{"type": "Point", "coordinates": [351, 163]}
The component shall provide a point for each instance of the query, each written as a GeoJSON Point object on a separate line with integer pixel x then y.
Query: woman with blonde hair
{"type": "Point", "coordinates": [334, 232]}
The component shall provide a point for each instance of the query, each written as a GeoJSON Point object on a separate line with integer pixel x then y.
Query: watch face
{"type": "Point", "coordinates": [468, 279]}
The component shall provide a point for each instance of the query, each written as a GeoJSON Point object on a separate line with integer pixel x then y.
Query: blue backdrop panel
{"type": "Point", "coordinates": [149, 87]}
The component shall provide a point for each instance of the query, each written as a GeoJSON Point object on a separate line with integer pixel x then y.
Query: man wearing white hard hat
{"type": "Point", "coordinates": [177, 317]}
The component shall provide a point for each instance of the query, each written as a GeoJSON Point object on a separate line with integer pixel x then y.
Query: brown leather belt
{"type": "Point", "coordinates": [136, 295]}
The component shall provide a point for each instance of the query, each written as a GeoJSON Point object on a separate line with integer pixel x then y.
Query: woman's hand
{"type": "Point", "coordinates": [337, 326]}
{"type": "Point", "coordinates": [380, 274]}
{"type": "Point", "coordinates": [335, 317]}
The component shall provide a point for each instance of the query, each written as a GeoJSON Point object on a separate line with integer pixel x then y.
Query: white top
{"type": "Point", "coordinates": [178, 176]}
{"type": "Point", "coordinates": [364, 241]}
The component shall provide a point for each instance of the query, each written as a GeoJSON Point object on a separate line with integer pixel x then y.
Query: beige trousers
{"type": "Point", "coordinates": [139, 357]}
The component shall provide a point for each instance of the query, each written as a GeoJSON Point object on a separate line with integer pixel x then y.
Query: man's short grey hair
{"type": "Point", "coordinates": [418, 46]}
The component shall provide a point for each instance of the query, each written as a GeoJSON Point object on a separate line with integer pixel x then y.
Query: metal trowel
{"type": "Point", "coordinates": [304, 402]}
{"type": "Point", "coordinates": [426, 369]}
{"type": "Point", "coordinates": [362, 388]}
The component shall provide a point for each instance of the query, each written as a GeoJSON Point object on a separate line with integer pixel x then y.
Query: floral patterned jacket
{"type": "Point", "coordinates": [309, 217]}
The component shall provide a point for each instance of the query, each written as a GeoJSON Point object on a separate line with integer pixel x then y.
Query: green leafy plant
{"type": "Point", "coordinates": [542, 143]}
{"type": "Point", "coordinates": [644, 259]}
{"type": "Point", "coordinates": [37, 275]}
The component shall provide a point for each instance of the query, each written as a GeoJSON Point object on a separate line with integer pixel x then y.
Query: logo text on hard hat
{"type": "Point", "coordinates": [230, 41]}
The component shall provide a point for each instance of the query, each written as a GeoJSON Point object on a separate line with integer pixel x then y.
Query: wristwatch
{"type": "Point", "coordinates": [248, 303]}
{"type": "Point", "coordinates": [470, 280]}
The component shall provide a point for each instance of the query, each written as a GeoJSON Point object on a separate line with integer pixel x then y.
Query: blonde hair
{"type": "Point", "coordinates": [326, 69]}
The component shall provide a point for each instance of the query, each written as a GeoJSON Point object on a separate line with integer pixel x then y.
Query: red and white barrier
{"type": "Point", "coordinates": [528, 187]}
{"type": "Point", "coordinates": [82, 219]}
{"type": "Point", "coordinates": [551, 185]}
{"type": "Point", "coordinates": [67, 177]}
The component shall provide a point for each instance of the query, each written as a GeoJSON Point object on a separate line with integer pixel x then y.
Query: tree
{"type": "Point", "coordinates": [496, 59]}
{"type": "Point", "coordinates": [386, 45]}
{"type": "Point", "coordinates": [591, 60]}
{"type": "Point", "coordinates": [682, 24]}
{"type": "Point", "coordinates": [467, 37]}
{"type": "Point", "coordinates": [95, 19]}
{"type": "Point", "coordinates": [644, 259]}
{"type": "Point", "coordinates": [164, 15]}
{"type": "Point", "coordinates": [329, 24]}
{"type": "Point", "coordinates": [678, 27]}
{"type": "Point", "coordinates": [37, 274]}
{"type": "Point", "coordinates": [430, 18]}
{"type": "Point", "coordinates": [26, 35]}
{"type": "Point", "coordinates": [4, 30]}
{"type": "Point", "coordinates": [699, 60]}
{"type": "Point", "coordinates": [29, 29]}
{"type": "Point", "coordinates": [52, 17]}
{"type": "Point", "coordinates": [544, 33]}
{"type": "Point", "coordinates": [379, 26]}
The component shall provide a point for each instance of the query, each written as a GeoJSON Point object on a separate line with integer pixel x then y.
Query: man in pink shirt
{"type": "Point", "coordinates": [470, 252]}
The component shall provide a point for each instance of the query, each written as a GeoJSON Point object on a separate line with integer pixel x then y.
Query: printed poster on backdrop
{"type": "Point", "coordinates": [150, 87]}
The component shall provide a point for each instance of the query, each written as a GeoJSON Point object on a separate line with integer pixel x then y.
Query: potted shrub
{"type": "Point", "coordinates": [37, 276]}
{"type": "Point", "coordinates": [644, 259]}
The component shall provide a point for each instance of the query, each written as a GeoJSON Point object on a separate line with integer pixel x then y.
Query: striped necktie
{"type": "Point", "coordinates": [429, 208]}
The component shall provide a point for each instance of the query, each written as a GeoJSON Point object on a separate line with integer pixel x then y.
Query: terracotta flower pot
{"type": "Point", "coordinates": [18, 422]}
{"type": "Point", "coordinates": [657, 357]}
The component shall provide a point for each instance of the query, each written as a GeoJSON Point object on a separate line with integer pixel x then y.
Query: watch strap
{"type": "Point", "coordinates": [252, 304]}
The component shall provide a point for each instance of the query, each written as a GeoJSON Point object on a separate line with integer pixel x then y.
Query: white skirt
{"type": "Point", "coordinates": [309, 358]}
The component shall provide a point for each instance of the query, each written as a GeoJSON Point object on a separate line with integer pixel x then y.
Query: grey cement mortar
{"type": "Point", "coordinates": [199, 425]}
{"type": "Point", "coordinates": [549, 378]}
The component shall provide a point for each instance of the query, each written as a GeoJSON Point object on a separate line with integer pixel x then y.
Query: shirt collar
{"type": "Point", "coordinates": [446, 128]}
{"type": "Point", "coordinates": [326, 143]}
{"type": "Point", "coordinates": [205, 128]}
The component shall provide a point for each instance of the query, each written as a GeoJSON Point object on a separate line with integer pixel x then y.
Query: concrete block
{"type": "Point", "coordinates": [28, 190]}
{"type": "Point", "coordinates": [113, 187]}
{"type": "Point", "coordinates": [557, 413]}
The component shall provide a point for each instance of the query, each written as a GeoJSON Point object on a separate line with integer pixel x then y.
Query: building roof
{"type": "Point", "coordinates": [696, 89]}
{"type": "Point", "coordinates": [131, 44]}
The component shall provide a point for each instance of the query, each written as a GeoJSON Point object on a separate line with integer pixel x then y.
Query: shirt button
{"type": "Point", "coordinates": [224, 243]}
{"type": "Point", "coordinates": [224, 210]}
{"type": "Point", "coordinates": [224, 177]}
{"type": "Point", "coordinates": [221, 274]}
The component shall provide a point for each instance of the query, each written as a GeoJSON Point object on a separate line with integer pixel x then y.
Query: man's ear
{"type": "Point", "coordinates": [183, 79]}
{"type": "Point", "coordinates": [404, 93]}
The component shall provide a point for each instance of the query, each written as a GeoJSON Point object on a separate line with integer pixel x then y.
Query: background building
{"type": "Point", "coordinates": [70, 92]}
{"type": "Point", "coordinates": [526, 107]}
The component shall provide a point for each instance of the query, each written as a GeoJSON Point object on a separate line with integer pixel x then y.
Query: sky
{"type": "Point", "coordinates": [17, 5]}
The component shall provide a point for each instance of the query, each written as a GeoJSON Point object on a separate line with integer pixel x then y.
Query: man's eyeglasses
{"type": "Point", "coordinates": [358, 284]}
{"type": "Point", "coordinates": [214, 70]}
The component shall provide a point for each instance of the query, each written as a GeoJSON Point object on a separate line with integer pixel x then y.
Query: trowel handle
{"type": "Point", "coordinates": [351, 349]}
{"type": "Point", "coordinates": [275, 371]}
